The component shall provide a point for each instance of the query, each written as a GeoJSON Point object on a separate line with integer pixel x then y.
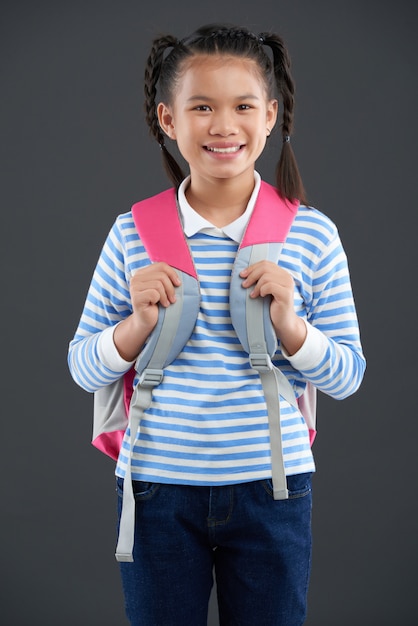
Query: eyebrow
{"type": "Point", "coordinates": [247, 96]}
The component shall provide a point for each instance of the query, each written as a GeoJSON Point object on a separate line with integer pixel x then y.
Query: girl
{"type": "Point", "coordinates": [201, 461]}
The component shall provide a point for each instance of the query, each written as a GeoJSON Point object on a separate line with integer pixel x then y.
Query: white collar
{"type": "Point", "coordinates": [194, 223]}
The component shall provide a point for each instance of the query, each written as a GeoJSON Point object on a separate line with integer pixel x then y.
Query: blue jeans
{"type": "Point", "coordinates": [258, 547]}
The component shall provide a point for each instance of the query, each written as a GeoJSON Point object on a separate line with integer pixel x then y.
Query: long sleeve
{"type": "Point", "coordinates": [331, 357]}
{"type": "Point", "coordinates": [93, 359]}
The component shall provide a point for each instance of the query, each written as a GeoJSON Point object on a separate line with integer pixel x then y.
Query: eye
{"type": "Point", "coordinates": [202, 107]}
{"type": "Point", "coordinates": [243, 107]}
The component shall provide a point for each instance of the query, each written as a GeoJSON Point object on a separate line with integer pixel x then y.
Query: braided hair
{"type": "Point", "coordinates": [164, 71]}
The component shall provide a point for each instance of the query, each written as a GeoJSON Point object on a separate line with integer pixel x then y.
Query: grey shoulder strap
{"type": "Point", "coordinates": [171, 334]}
{"type": "Point", "coordinates": [251, 319]}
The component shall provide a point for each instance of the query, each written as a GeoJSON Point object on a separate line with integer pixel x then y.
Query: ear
{"type": "Point", "coordinates": [166, 120]}
{"type": "Point", "coordinates": [272, 112]}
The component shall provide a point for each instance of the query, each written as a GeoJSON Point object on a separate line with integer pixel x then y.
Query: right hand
{"type": "Point", "coordinates": [152, 286]}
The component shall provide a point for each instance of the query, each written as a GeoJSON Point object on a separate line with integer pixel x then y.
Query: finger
{"type": "Point", "coordinates": [160, 277]}
{"type": "Point", "coordinates": [253, 272]}
{"type": "Point", "coordinates": [158, 270]}
{"type": "Point", "coordinates": [153, 292]}
{"type": "Point", "coordinates": [169, 271]}
{"type": "Point", "coordinates": [250, 275]}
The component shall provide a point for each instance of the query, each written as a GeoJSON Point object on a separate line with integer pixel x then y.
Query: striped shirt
{"type": "Point", "coordinates": [207, 423]}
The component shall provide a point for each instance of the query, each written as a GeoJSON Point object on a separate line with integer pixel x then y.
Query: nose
{"type": "Point", "coordinates": [223, 124]}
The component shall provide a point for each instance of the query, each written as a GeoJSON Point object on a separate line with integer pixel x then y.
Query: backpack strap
{"type": "Point", "coordinates": [263, 239]}
{"type": "Point", "coordinates": [158, 222]}
{"type": "Point", "coordinates": [175, 323]}
{"type": "Point", "coordinates": [173, 329]}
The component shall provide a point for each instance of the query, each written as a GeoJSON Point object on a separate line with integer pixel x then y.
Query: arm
{"type": "Point", "coordinates": [321, 340]}
{"type": "Point", "coordinates": [120, 312]}
{"type": "Point", "coordinates": [331, 357]}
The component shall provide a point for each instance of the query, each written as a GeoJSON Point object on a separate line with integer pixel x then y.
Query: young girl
{"type": "Point", "coordinates": [201, 463]}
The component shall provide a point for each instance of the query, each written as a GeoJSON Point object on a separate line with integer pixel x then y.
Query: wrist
{"type": "Point", "coordinates": [139, 327]}
{"type": "Point", "coordinates": [130, 336]}
{"type": "Point", "coordinates": [292, 335]}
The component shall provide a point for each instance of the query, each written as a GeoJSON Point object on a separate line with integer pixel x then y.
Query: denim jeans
{"type": "Point", "coordinates": [258, 547]}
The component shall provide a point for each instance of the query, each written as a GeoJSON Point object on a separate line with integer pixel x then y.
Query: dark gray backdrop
{"type": "Point", "coordinates": [75, 152]}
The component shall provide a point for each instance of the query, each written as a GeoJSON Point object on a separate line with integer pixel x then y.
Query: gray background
{"type": "Point", "coordinates": [75, 152]}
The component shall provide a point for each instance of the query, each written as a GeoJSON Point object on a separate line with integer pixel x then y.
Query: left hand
{"type": "Point", "coordinates": [267, 278]}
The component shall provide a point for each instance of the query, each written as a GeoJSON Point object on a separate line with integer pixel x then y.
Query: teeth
{"type": "Point", "coordinates": [224, 150]}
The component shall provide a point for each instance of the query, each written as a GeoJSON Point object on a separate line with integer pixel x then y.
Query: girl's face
{"type": "Point", "coordinates": [220, 117]}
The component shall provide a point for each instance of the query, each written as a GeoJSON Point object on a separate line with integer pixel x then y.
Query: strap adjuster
{"type": "Point", "coordinates": [151, 378]}
{"type": "Point", "coordinates": [261, 362]}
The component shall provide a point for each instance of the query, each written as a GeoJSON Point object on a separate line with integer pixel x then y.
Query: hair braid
{"type": "Point", "coordinates": [152, 75]}
{"type": "Point", "coordinates": [284, 80]}
{"type": "Point", "coordinates": [288, 178]}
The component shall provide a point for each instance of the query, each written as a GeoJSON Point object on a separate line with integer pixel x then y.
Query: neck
{"type": "Point", "coordinates": [220, 202]}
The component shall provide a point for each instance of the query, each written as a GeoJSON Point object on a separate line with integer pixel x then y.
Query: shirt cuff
{"type": "Point", "coordinates": [312, 351]}
{"type": "Point", "coordinates": [108, 353]}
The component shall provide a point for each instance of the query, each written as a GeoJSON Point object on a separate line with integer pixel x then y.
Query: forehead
{"type": "Point", "coordinates": [202, 68]}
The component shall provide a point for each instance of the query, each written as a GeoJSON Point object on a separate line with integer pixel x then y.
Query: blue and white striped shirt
{"type": "Point", "coordinates": [207, 423]}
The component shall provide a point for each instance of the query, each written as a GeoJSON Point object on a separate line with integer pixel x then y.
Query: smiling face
{"type": "Point", "coordinates": [220, 117]}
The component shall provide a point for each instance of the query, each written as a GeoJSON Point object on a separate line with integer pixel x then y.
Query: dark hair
{"type": "Point", "coordinates": [165, 72]}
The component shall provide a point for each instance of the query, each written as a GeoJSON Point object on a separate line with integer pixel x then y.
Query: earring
{"type": "Point", "coordinates": [268, 132]}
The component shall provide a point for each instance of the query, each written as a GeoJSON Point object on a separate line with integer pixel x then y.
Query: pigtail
{"type": "Point", "coordinates": [152, 74]}
{"type": "Point", "coordinates": [288, 178]}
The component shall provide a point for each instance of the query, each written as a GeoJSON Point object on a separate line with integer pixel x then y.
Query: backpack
{"type": "Point", "coordinates": [118, 404]}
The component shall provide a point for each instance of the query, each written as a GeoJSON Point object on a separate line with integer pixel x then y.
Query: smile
{"type": "Point", "coordinates": [229, 150]}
